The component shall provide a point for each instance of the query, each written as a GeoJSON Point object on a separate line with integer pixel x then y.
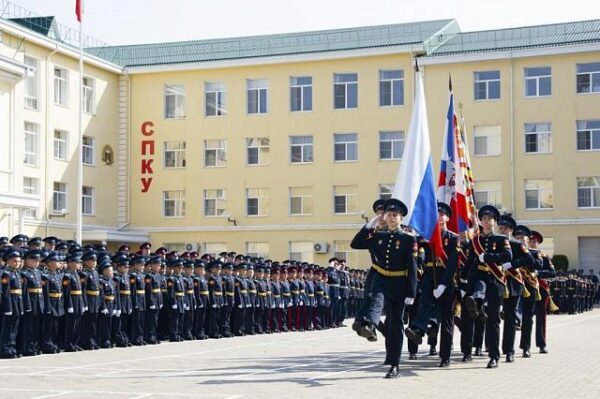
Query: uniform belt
{"type": "Point", "coordinates": [311, 295]}
{"type": "Point", "coordinates": [140, 292]}
{"type": "Point", "coordinates": [319, 292]}
{"type": "Point", "coordinates": [276, 296]}
{"type": "Point", "coordinates": [229, 294]}
{"type": "Point", "coordinates": [483, 268]}
{"type": "Point", "coordinates": [268, 292]}
{"type": "Point", "coordinates": [126, 292]}
{"type": "Point", "coordinates": [16, 291]}
{"type": "Point", "coordinates": [254, 292]}
{"type": "Point", "coordinates": [218, 293]}
{"type": "Point", "coordinates": [156, 290]}
{"type": "Point", "coordinates": [334, 285]}
{"type": "Point", "coordinates": [55, 294]}
{"type": "Point", "coordinates": [179, 293]}
{"type": "Point", "coordinates": [92, 293]}
{"type": "Point", "coordinates": [287, 294]}
{"type": "Point", "coordinates": [295, 292]}
{"type": "Point", "coordinates": [429, 264]}
{"type": "Point", "coordinates": [203, 292]}
{"type": "Point", "coordinates": [262, 294]}
{"type": "Point", "coordinates": [390, 273]}
{"type": "Point", "coordinates": [189, 291]}
{"type": "Point", "coordinates": [302, 291]}
{"type": "Point", "coordinates": [164, 290]}
{"type": "Point", "coordinates": [76, 292]}
{"type": "Point", "coordinates": [244, 291]}
{"type": "Point", "coordinates": [34, 290]}
{"type": "Point", "coordinates": [109, 298]}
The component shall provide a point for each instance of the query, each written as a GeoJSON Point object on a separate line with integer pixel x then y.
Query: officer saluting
{"type": "Point", "coordinates": [395, 280]}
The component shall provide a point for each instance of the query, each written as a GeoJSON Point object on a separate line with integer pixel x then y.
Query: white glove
{"type": "Point", "coordinates": [114, 312]}
{"type": "Point", "coordinates": [130, 311]}
{"type": "Point", "coordinates": [240, 306]}
{"type": "Point", "coordinates": [152, 307]}
{"type": "Point", "coordinates": [281, 306]}
{"type": "Point", "coordinates": [27, 311]}
{"type": "Point", "coordinates": [463, 293]}
{"type": "Point", "coordinates": [104, 311]}
{"type": "Point", "coordinates": [85, 308]}
{"type": "Point", "coordinates": [372, 223]}
{"type": "Point", "coordinates": [214, 305]}
{"type": "Point", "coordinates": [481, 256]}
{"type": "Point", "coordinates": [439, 291]}
{"type": "Point", "coordinates": [409, 301]}
{"type": "Point", "coordinates": [506, 266]}
{"type": "Point", "coordinates": [118, 313]}
{"type": "Point", "coordinates": [174, 306]}
{"type": "Point", "coordinates": [301, 303]}
{"type": "Point", "coordinates": [249, 305]}
{"type": "Point", "coordinates": [70, 310]}
{"type": "Point", "coordinates": [8, 314]}
{"type": "Point", "coordinates": [186, 307]}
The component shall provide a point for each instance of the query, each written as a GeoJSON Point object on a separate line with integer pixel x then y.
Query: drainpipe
{"type": "Point", "coordinates": [46, 135]}
{"type": "Point", "coordinates": [128, 154]}
{"type": "Point", "coordinates": [512, 138]}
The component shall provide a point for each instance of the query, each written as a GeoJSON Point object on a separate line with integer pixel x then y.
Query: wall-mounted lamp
{"type": "Point", "coordinates": [107, 155]}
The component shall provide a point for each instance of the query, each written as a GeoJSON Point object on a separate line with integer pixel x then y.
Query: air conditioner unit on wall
{"type": "Point", "coordinates": [192, 246]}
{"type": "Point", "coordinates": [321, 247]}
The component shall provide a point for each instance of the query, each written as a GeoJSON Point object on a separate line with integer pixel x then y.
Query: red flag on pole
{"type": "Point", "coordinates": [79, 9]}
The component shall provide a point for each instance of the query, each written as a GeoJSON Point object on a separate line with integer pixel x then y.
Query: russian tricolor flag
{"type": "Point", "coordinates": [415, 185]}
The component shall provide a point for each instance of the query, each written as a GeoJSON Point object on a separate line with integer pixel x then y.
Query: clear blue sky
{"type": "Point", "coordinates": [147, 21]}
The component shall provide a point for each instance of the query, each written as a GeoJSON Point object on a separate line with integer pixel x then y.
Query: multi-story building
{"type": "Point", "coordinates": [278, 145]}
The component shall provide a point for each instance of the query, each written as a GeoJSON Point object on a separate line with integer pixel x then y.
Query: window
{"type": "Point", "coordinates": [342, 250]}
{"type": "Point", "coordinates": [488, 192]}
{"type": "Point", "coordinates": [87, 200]}
{"type": "Point", "coordinates": [345, 199]}
{"type": "Point", "coordinates": [391, 145]}
{"type": "Point", "coordinates": [588, 78]}
{"type": "Point", "coordinates": [59, 197]}
{"type": "Point", "coordinates": [588, 192]}
{"type": "Point", "coordinates": [89, 101]}
{"type": "Point", "coordinates": [215, 248]}
{"type": "Point", "coordinates": [257, 201]}
{"type": "Point", "coordinates": [345, 147]}
{"type": "Point", "coordinates": [257, 150]}
{"type": "Point", "coordinates": [257, 249]}
{"type": "Point", "coordinates": [31, 144]}
{"type": "Point", "coordinates": [345, 90]}
{"type": "Point", "coordinates": [175, 246]}
{"type": "Point", "coordinates": [538, 194]}
{"type": "Point", "coordinates": [538, 138]}
{"type": "Point", "coordinates": [87, 144]}
{"type": "Point", "coordinates": [257, 96]}
{"type": "Point", "coordinates": [391, 88]}
{"type": "Point", "coordinates": [61, 88]}
{"type": "Point", "coordinates": [174, 101]}
{"type": "Point", "coordinates": [215, 153]}
{"type": "Point", "coordinates": [301, 149]}
{"type": "Point", "coordinates": [301, 201]}
{"type": "Point", "coordinates": [32, 84]}
{"type": "Point", "coordinates": [174, 154]}
{"type": "Point", "coordinates": [215, 202]}
{"type": "Point", "coordinates": [538, 82]}
{"type": "Point", "coordinates": [301, 251]}
{"type": "Point", "coordinates": [487, 140]}
{"type": "Point", "coordinates": [174, 203]}
{"type": "Point", "coordinates": [215, 94]}
{"type": "Point", "coordinates": [487, 85]}
{"type": "Point", "coordinates": [386, 191]}
{"type": "Point", "coordinates": [60, 145]}
{"type": "Point", "coordinates": [588, 135]}
{"type": "Point", "coordinates": [301, 93]}
{"type": "Point", "coordinates": [30, 186]}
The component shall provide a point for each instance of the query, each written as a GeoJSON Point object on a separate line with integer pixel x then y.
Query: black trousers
{"type": "Point", "coordinates": [527, 324]}
{"type": "Point", "coordinates": [104, 330]}
{"type": "Point", "coordinates": [394, 328]}
{"type": "Point", "coordinates": [175, 325]}
{"type": "Point", "coordinates": [72, 332]}
{"type": "Point", "coordinates": [50, 333]}
{"type": "Point", "coordinates": [237, 320]}
{"type": "Point", "coordinates": [137, 321]}
{"type": "Point", "coordinates": [30, 333]}
{"type": "Point", "coordinates": [225, 320]}
{"type": "Point", "coordinates": [510, 325]}
{"type": "Point", "coordinates": [199, 323]}
{"type": "Point", "coordinates": [151, 326]}
{"type": "Point", "coordinates": [540, 321]}
{"type": "Point", "coordinates": [188, 324]}
{"type": "Point", "coordinates": [89, 330]}
{"type": "Point", "coordinates": [119, 327]}
{"type": "Point", "coordinates": [445, 305]}
{"type": "Point", "coordinates": [249, 320]}
{"type": "Point", "coordinates": [213, 322]}
{"type": "Point", "coordinates": [8, 334]}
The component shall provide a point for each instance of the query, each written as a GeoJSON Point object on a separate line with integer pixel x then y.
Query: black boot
{"type": "Point", "coordinates": [393, 372]}
{"type": "Point", "coordinates": [492, 364]}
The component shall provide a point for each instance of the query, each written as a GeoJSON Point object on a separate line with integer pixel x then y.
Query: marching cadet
{"type": "Point", "coordinates": [545, 273]}
{"type": "Point", "coordinates": [261, 323]}
{"type": "Point", "coordinates": [201, 294]}
{"type": "Point", "coordinates": [276, 311]}
{"type": "Point", "coordinates": [437, 288]}
{"type": "Point", "coordinates": [90, 284]}
{"type": "Point", "coordinates": [138, 301]}
{"type": "Point", "coordinates": [215, 290]}
{"type": "Point", "coordinates": [301, 306]}
{"type": "Point", "coordinates": [292, 309]}
{"type": "Point", "coordinates": [176, 290]}
{"type": "Point", "coordinates": [514, 281]}
{"type": "Point", "coordinates": [12, 304]}
{"type": "Point", "coordinates": [153, 282]}
{"type": "Point", "coordinates": [395, 282]}
{"type": "Point", "coordinates": [239, 301]}
{"type": "Point", "coordinates": [108, 308]}
{"type": "Point", "coordinates": [267, 321]}
{"type": "Point", "coordinates": [189, 303]}
{"type": "Point", "coordinates": [227, 307]}
{"type": "Point", "coordinates": [251, 301]}
{"type": "Point", "coordinates": [310, 304]}
{"type": "Point", "coordinates": [163, 316]}
{"type": "Point", "coordinates": [121, 323]}
{"type": "Point", "coordinates": [286, 298]}
{"type": "Point", "coordinates": [74, 303]}
{"type": "Point", "coordinates": [54, 306]}
{"type": "Point", "coordinates": [342, 312]}
{"type": "Point", "coordinates": [490, 255]}
{"type": "Point", "coordinates": [333, 281]}
{"type": "Point", "coordinates": [33, 303]}
{"type": "Point", "coordinates": [319, 316]}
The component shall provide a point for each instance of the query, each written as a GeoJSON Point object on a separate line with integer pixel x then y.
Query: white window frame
{"type": "Point", "coordinates": [219, 198]}
{"type": "Point", "coordinates": [491, 137]}
{"type": "Point", "coordinates": [394, 143]}
{"type": "Point", "coordinates": [90, 149]}
{"type": "Point", "coordinates": [304, 196]}
{"type": "Point", "coordinates": [346, 85]}
{"type": "Point", "coordinates": [219, 90]}
{"type": "Point", "coordinates": [215, 248]}
{"type": "Point", "coordinates": [177, 148]}
{"type": "Point", "coordinates": [260, 86]}
{"type": "Point", "coordinates": [262, 145]}
{"type": "Point", "coordinates": [591, 131]}
{"type": "Point", "coordinates": [342, 250]}
{"type": "Point", "coordinates": [346, 145]}
{"type": "Point", "coordinates": [487, 82]}
{"type": "Point", "coordinates": [178, 200]}
{"type": "Point", "coordinates": [533, 185]}
{"type": "Point", "coordinates": [256, 249]}
{"type": "Point", "coordinates": [305, 90]}
{"type": "Point", "coordinates": [61, 145]}
{"type": "Point", "coordinates": [391, 82]}
{"type": "Point", "coordinates": [32, 83]}
{"type": "Point", "coordinates": [492, 190]}
{"type": "Point", "coordinates": [59, 189]}
{"type": "Point", "coordinates": [31, 156]}
{"type": "Point", "coordinates": [536, 79]}
{"type": "Point", "coordinates": [88, 99]}
{"type": "Point", "coordinates": [177, 91]}
{"type": "Point", "coordinates": [61, 87]}
{"type": "Point", "coordinates": [303, 150]}
{"type": "Point", "coordinates": [219, 147]}
{"type": "Point", "coordinates": [261, 195]}
{"type": "Point", "coordinates": [340, 191]}
{"type": "Point", "coordinates": [593, 190]}
{"type": "Point", "coordinates": [297, 250]}
{"type": "Point", "coordinates": [90, 198]}
{"type": "Point", "coordinates": [594, 76]}
{"type": "Point", "coordinates": [31, 185]}
{"type": "Point", "coordinates": [386, 191]}
{"type": "Point", "coordinates": [540, 136]}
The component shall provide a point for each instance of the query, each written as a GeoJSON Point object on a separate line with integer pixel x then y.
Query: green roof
{"type": "Point", "coordinates": [272, 45]}
{"type": "Point", "coordinates": [521, 38]}
{"type": "Point", "coordinates": [41, 25]}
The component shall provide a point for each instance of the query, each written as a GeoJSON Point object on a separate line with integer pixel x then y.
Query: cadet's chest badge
{"type": "Point", "coordinates": [494, 246]}
{"type": "Point", "coordinates": [379, 242]}
{"type": "Point", "coordinates": [445, 242]}
{"type": "Point", "coordinates": [397, 244]}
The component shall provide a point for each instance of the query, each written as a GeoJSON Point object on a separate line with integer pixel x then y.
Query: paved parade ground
{"type": "Point", "coordinates": [321, 364]}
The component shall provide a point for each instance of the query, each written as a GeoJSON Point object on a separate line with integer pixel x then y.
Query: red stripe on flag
{"type": "Point", "coordinates": [78, 10]}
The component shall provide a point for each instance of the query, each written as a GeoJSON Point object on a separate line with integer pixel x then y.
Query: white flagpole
{"type": "Point", "coordinates": [80, 136]}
